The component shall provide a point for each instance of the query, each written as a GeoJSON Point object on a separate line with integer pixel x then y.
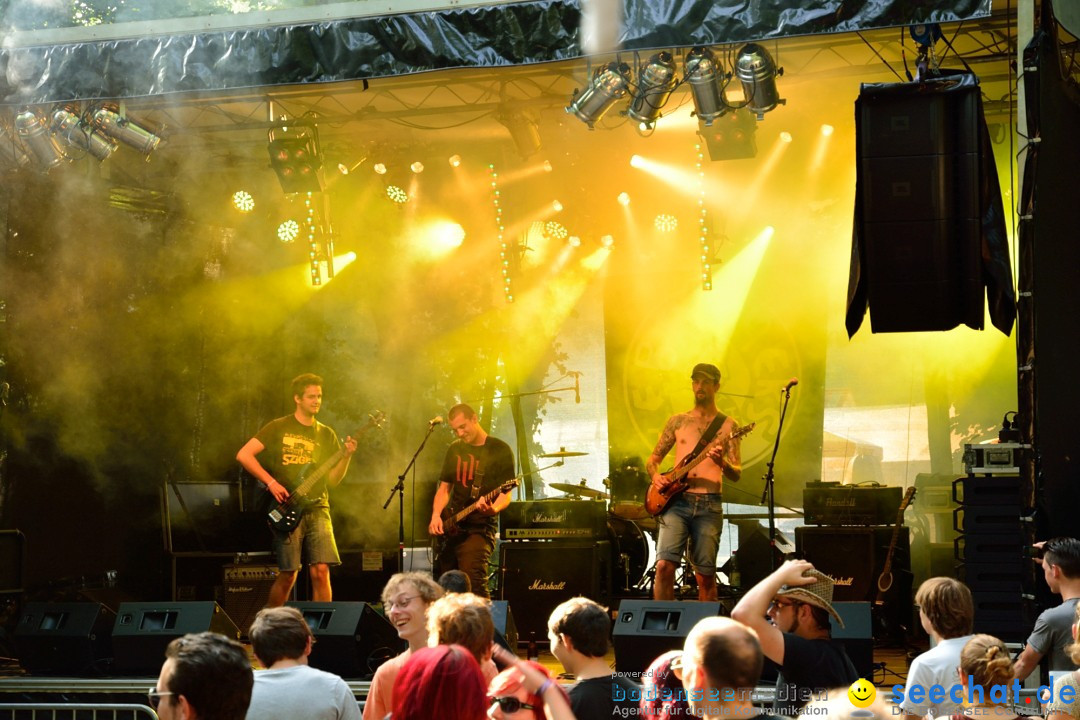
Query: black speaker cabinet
{"type": "Point", "coordinates": [535, 577]}
{"type": "Point", "coordinates": [245, 590]}
{"type": "Point", "coordinates": [71, 638]}
{"type": "Point", "coordinates": [857, 635]}
{"type": "Point", "coordinates": [918, 183]}
{"type": "Point", "coordinates": [353, 640]}
{"type": "Point", "coordinates": [646, 628]}
{"type": "Point", "coordinates": [143, 630]}
{"type": "Point", "coordinates": [853, 557]}
{"type": "Point", "coordinates": [506, 633]}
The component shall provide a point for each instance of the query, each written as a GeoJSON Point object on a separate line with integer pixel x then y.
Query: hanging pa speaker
{"type": "Point", "coordinates": [353, 639]}
{"type": "Point", "coordinates": [143, 630]}
{"type": "Point", "coordinates": [73, 638]}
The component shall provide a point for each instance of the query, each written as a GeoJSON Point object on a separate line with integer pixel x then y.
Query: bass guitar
{"type": "Point", "coordinates": [452, 519]}
{"type": "Point", "coordinates": [284, 517]}
{"type": "Point", "coordinates": [657, 499]}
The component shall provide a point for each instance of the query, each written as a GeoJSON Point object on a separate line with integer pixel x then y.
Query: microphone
{"type": "Point", "coordinates": [577, 388]}
{"type": "Point", "coordinates": [791, 383]}
{"type": "Point", "coordinates": [437, 420]}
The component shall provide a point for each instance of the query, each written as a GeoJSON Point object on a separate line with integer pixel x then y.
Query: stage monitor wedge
{"type": "Point", "coordinates": [144, 629]}
{"type": "Point", "coordinates": [644, 629]}
{"type": "Point", "coordinates": [70, 638]}
{"type": "Point", "coordinates": [353, 639]}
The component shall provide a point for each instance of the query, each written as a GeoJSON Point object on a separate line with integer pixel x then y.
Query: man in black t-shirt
{"type": "Point", "coordinates": [578, 630]}
{"type": "Point", "coordinates": [790, 612]}
{"type": "Point", "coordinates": [476, 464]}
{"type": "Point", "coordinates": [289, 446]}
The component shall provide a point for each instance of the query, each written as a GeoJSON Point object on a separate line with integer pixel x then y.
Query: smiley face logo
{"type": "Point", "coordinates": [861, 693]}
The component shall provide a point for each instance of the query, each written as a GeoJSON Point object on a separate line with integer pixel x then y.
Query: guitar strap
{"type": "Point", "coordinates": [706, 437]}
{"type": "Point", "coordinates": [477, 486]}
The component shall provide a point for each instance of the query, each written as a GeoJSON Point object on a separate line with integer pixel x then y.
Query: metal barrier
{"type": "Point", "coordinates": [75, 711]}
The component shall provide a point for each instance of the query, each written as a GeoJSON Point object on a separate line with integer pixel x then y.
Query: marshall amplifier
{"type": "Point", "coordinates": [552, 519]}
{"type": "Point", "coordinates": [854, 557]}
{"type": "Point", "coordinates": [828, 504]}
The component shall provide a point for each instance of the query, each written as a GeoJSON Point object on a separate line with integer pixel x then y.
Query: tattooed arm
{"type": "Point", "coordinates": [663, 447]}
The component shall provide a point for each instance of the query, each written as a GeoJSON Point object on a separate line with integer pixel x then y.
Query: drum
{"type": "Point", "coordinates": [629, 553]}
{"type": "Point", "coordinates": [628, 484]}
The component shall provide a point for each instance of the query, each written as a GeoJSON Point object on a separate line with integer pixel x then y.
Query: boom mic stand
{"type": "Point", "coordinates": [399, 488]}
{"type": "Point", "coordinates": [768, 490]}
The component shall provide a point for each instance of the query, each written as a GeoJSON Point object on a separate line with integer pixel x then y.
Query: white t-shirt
{"type": "Point", "coordinates": [936, 666]}
{"type": "Point", "coordinates": [301, 692]}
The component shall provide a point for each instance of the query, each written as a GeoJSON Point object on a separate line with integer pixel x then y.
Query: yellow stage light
{"type": "Point", "coordinates": [288, 231]}
{"type": "Point", "coordinates": [573, 241]}
{"type": "Point", "coordinates": [557, 206]}
{"type": "Point", "coordinates": [455, 161]}
{"type": "Point", "coordinates": [379, 168]}
{"type": "Point", "coordinates": [417, 167]}
{"type": "Point", "coordinates": [607, 241]}
{"type": "Point", "coordinates": [243, 201]}
{"type": "Point", "coordinates": [624, 199]}
{"type": "Point", "coordinates": [666, 223]}
{"type": "Point", "coordinates": [555, 230]}
{"type": "Point", "coordinates": [547, 166]}
{"type": "Point", "coordinates": [826, 129]}
{"type": "Point", "coordinates": [637, 161]}
{"type": "Point", "coordinates": [785, 136]}
{"type": "Point", "coordinates": [397, 194]}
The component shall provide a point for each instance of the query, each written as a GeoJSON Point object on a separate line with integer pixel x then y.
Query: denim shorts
{"type": "Point", "coordinates": [697, 517]}
{"type": "Point", "coordinates": [314, 535]}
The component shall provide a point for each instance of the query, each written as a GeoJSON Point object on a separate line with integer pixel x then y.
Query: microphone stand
{"type": "Point", "coordinates": [768, 490]}
{"type": "Point", "coordinates": [399, 488]}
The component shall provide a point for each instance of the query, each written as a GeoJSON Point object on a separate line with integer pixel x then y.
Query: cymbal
{"type": "Point", "coordinates": [579, 490]}
{"type": "Point", "coordinates": [563, 453]}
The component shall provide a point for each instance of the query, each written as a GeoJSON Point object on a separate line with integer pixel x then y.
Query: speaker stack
{"type": "Point", "coordinates": [552, 550]}
{"type": "Point", "coordinates": [851, 543]}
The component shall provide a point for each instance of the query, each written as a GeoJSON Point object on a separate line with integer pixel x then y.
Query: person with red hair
{"type": "Point", "coordinates": [525, 691]}
{"type": "Point", "coordinates": [443, 681]}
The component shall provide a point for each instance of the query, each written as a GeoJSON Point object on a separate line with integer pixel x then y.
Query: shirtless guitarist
{"type": "Point", "coordinates": [695, 514]}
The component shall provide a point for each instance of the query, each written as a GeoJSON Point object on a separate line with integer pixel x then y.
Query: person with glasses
{"type": "Point", "coordinates": [406, 599]}
{"type": "Point", "coordinates": [790, 610]}
{"type": "Point", "coordinates": [441, 682]}
{"type": "Point", "coordinates": [947, 614]}
{"type": "Point", "coordinates": [526, 690]}
{"type": "Point", "coordinates": [205, 676]}
{"type": "Point", "coordinates": [1060, 560]}
{"type": "Point", "coordinates": [289, 688]}
{"type": "Point", "coordinates": [289, 446]}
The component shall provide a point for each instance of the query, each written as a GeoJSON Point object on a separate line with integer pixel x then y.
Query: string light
{"type": "Point", "coordinates": [504, 247]}
{"type": "Point", "coordinates": [313, 243]}
{"type": "Point", "coordinates": [703, 229]}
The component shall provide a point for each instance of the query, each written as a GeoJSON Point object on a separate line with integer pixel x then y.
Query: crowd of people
{"type": "Point", "coordinates": [454, 670]}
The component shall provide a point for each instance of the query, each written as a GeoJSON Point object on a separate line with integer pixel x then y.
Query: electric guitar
{"type": "Point", "coordinates": [657, 500]}
{"type": "Point", "coordinates": [451, 519]}
{"type": "Point", "coordinates": [885, 580]}
{"type": "Point", "coordinates": [284, 517]}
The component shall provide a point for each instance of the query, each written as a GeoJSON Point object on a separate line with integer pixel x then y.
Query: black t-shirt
{"type": "Point", "coordinates": [473, 471]}
{"type": "Point", "coordinates": [811, 667]}
{"type": "Point", "coordinates": [604, 697]}
{"type": "Point", "coordinates": [291, 446]}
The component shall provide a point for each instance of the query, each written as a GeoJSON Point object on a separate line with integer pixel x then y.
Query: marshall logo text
{"type": "Point", "coordinates": [540, 585]}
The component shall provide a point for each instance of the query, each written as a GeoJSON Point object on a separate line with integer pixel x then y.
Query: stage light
{"type": "Point", "coordinates": [524, 131]}
{"type": "Point", "coordinates": [785, 136]}
{"type": "Point", "coordinates": [573, 241]}
{"type": "Point", "coordinates": [417, 167]}
{"type": "Point", "coordinates": [607, 241]}
{"type": "Point", "coordinates": [455, 161]}
{"type": "Point", "coordinates": [624, 199]}
{"type": "Point", "coordinates": [656, 80]}
{"type": "Point", "coordinates": [636, 161]}
{"type": "Point", "coordinates": [757, 72]}
{"type": "Point", "coordinates": [555, 230]}
{"type": "Point", "coordinates": [450, 234]}
{"type": "Point", "coordinates": [557, 206]}
{"type": "Point", "coordinates": [707, 82]}
{"type": "Point", "coordinates": [397, 194]}
{"type": "Point", "coordinates": [666, 223]}
{"type": "Point", "coordinates": [243, 201]}
{"type": "Point", "coordinates": [826, 130]}
{"type": "Point", "coordinates": [296, 160]}
{"type": "Point", "coordinates": [288, 231]}
{"type": "Point", "coordinates": [32, 131]}
{"type": "Point", "coordinates": [608, 85]}
{"type": "Point", "coordinates": [547, 166]}
{"type": "Point", "coordinates": [108, 120]}
{"type": "Point", "coordinates": [379, 168]}
{"type": "Point", "coordinates": [80, 135]}
{"type": "Point", "coordinates": [11, 150]}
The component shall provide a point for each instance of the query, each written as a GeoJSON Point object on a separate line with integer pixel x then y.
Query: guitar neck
{"type": "Point", "coordinates": [323, 470]}
{"type": "Point", "coordinates": [468, 510]}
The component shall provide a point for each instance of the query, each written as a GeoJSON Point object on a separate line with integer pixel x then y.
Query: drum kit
{"type": "Point", "coordinates": [627, 520]}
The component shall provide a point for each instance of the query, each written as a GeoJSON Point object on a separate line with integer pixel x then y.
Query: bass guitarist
{"type": "Point", "coordinates": [292, 444]}
{"type": "Point", "coordinates": [475, 465]}
{"type": "Point", "coordinates": [696, 513]}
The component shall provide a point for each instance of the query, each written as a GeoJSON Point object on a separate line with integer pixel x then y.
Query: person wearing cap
{"type": "Point", "coordinates": [790, 611]}
{"type": "Point", "coordinates": [697, 513]}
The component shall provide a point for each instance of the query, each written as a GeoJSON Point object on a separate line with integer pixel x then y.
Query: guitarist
{"type": "Point", "coordinates": [695, 514]}
{"type": "Point", "coordinates": [475, 464]}
{"type": "Point", "coordinates": [292, 443]}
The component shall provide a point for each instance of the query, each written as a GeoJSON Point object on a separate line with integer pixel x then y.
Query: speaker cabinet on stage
{"type": "Point", "coordinates": [143, 630]}
{"type": "Point", "coordinates": [535, 577]}
{"type": "Point", "coordinates": [918, 205]}
{"type": "Point", "coordinates": [506, 633]}
{"type": "Point", "coordinates": [246, 588]}
{"type": "Point", "coordinates": [353, 639]}
{"type": "Point", "coordinates": [853, 556]}
{"type": "Point", "coordinates": [857, 635]}
{"type": "Point", "coordinates": [64, 638]}
{"type": "Point", "coordinates": [646, 628]}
